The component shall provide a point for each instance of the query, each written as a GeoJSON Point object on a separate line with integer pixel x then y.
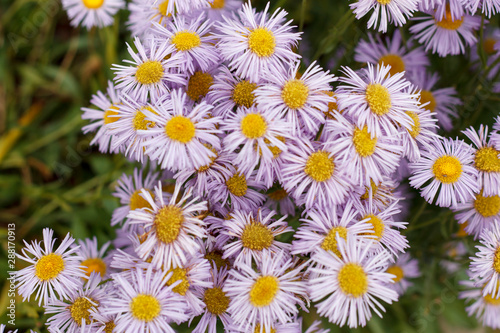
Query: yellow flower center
{"type": "Point", "coordinates": [448, 23]}
{"type": "Point", "coordinates": [109, 115]}
{"type": "Point", "coordinates": [216, 301]}
{"type": "Point", "coordinates": [295, 94]}
{"type": "Point", "coordinates": [363, 142]}
{"type": "Point", "coordinates": [377, 224]}
{"type": "Point", "coordinates": [49, 266]}
{"type": "Point", "coordinates": [330, 241]}
{"type": "Point", "coordinates": [179, 274]}
{"type": "Point", "coordinates": [149, 72]}
{"type": "Point", "coordinates": [253, 126]}
{"type": "Point", "coordinates": [237, 184]}
{"type": "Point", "coordinates": [216, 257]}
{"type": "Point", "coordinates": [93, 4]}
{"type": "Point", "coordinates": [168, 222]}
{"type": "Point", "coordinates": [353, 280]}
{"type": "Point", "coordinates": [447, 169]}
{"type": "Point", "coordinates": [489, 45]}
{"type": "Point", "coordinates": [145, 307]}
{"type": "Point", "coordinates": [80, 310]}
{"type": "Point", "coordinates": [217, 4]}
{"type": "Point", "coordinates": [396, 270]}
{"type": "Point", "coordinates": [243, 93]}
{"type": "Point", "coordinates": [415, 128]}
{"type": "Point", "coordinates": [378, 98]}
{"type": "Point", "coordinates": [263, 291]}
{"type": "Point", "coordinates": [140, 122]}
{"type": "Point", "coordinates": [396, 62]}
{"type": "Point", "coordinates": [94, 265]}
{"type": "Point", "coordinates": [199, 84]}
{"type": "Point", "coordinates": [137, 201]}
{"type": "Point", "coordinates": [277, 195]}
{"type": "Point", "coordinates": [491, 300]}
{"type": "Point", "coordinates": [427, 96]}
{"type": "Point", "coordinates": [487, 160]}
{"type": "Point", "coordinates": [487, 206]}
{"type": "Point", "coordinates": [186, 40]}
{"type": "Point", "coordinates": [319, 166]}
{"type": "Point", "coordinates": [261, 41]}
{"type": "Point", "coordinates": [180, 128]}
{"type": "Point", "coordinates": [384, 2]}
{"type": "Point", "coordinates": [109, 327]}
{"type": "Point", "coordinates": [256, 236]}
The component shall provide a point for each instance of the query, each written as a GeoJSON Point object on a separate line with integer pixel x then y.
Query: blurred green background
{"type": "Point", "coordinates": [50, 177]}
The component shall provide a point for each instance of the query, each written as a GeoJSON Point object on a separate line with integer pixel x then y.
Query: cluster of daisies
{"type": "Point", "coordinates": [237, 139]}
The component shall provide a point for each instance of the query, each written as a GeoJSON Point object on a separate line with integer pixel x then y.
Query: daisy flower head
{"type": "Point", "coordinates": [92, 13]}
{"type": "Point", "coordinates": [238, 190]}
{"type": "Point", "coordinates": [76, 313]}
{"type": "Point", "coordinates": [370, 156]}
{"type": "Point", "coordinates": [170, 228]}
{"type": "Point", "coordinates": [445, 34]}
{"type": "Point", "coordinates": [488, 7]}
{"type": "Point", "coordinates": [403, 269]}
{"type": "Point", "coordinates": [128, 190]}
{"type": "Point", "coordinates": [253, 135]}
{"type": "Point", "coordinates": [105, 114]}
{"type": "Point", "coordinates": [348, 288]}
{"type": "Point", "coordinates": [191, 40]}
{"type": "Point", "coordinates": [486, 161]}
{"type": "Point", "coordinates": [53, 274]}
{"type": "Point", "coordinates": [229, 91]}
{"type": "Point", "coordinates": [391, 52]}
{"type": "Point", "coordinates": [486, 308]}
{"type": "Point", "coordinates": [257, 44]}
{"type": "Point", "coordinates": [125, 131]}
{"type": "Point", "coordinates": [384, 12]}
{"type": "Point", "coordinates": [143, 302]}
{"type": "Point", "coordinates": [299, 98]}
{"type": "Point", "coordinates": [377, 100]}
{"type": "Point", "coordinates": [216, 304]}
{"type": "Point", "coordinates": [445, 166]}
{"type": "Point", "coordinates": [384, 229]}
{"type": "Point", "coordinates": [183, 134]}
{"type": "Point", "coordinates": [312, 174]}
{"type": "Point", "coordinates": [441, 102]}
{"type": "Point", "coordinates": [266, 296]}
{"type": "Point", "coordinates": [93, 258]}
{"type": "Point", "coordinates": [321, 227]}
{"type": "Point", "coordinates": [252, 235]}
{"type": "Point", "coordinates": [153, 70]}
{"type": "Point", "coordinates": [485, 265]}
